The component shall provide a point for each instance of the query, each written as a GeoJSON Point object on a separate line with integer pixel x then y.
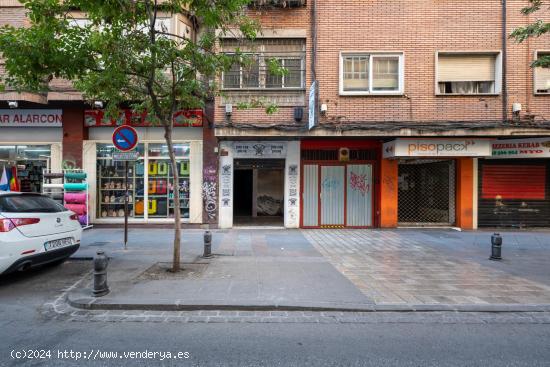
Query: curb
{"type": "Point", "coordinates": [89, 303]}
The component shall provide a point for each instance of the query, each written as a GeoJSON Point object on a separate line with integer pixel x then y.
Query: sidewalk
{"type": "Point", "coordinates": [322, 270]}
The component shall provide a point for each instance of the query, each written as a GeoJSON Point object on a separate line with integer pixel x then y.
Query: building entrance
{"type": "Point", "coordinates": [259, 191]}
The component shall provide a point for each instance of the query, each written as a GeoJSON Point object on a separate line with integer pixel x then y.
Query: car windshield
{"type": "Point", "coordinates": [29, 204]}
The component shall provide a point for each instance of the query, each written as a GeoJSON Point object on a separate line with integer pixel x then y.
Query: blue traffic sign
{"type": "Point", "coordinates": [125, 138]}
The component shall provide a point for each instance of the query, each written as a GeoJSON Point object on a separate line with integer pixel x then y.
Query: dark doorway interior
{"type": "Point", "coordinates": [243, 193]}
{"type": "Point", "coordinates": [259, 192]}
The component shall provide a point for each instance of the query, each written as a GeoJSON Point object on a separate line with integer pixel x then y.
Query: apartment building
{"type": "Point", "coordinates": [427, 115]}
{"type": "Point", "coordinates": [59, 131]}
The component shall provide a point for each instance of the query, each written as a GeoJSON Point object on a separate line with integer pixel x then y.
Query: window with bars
{"type": "Point", "coordinates": [371, 73]}
{"type": "Point", "coordinates": [255, 71]}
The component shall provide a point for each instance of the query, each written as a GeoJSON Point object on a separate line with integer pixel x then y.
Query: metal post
{"type": "Point", "coordinates": [100, 274]}
{"type": "Point", "coordinates": [126, 206]}
{"type": "Point", "coordinates": [496, 247]}
{"type": "Point", "coordinates": [207, 245]}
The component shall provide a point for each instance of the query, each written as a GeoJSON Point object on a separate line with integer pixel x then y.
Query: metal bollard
{"type": "Point", "coordinates": [100, 274]}
{"type": "Point", "coordinates": [496, 247]}
{"type": "Point", "coordinates": [207, 245]}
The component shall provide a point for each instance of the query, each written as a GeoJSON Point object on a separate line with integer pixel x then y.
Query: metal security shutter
{"type": "Point", "coordinates": [514, 193]}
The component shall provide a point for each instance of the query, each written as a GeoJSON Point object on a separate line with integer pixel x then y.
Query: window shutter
{"type": "Point", "coordinates": [466, 68]}
{"type": "Point", "coordinates": [542, 81]}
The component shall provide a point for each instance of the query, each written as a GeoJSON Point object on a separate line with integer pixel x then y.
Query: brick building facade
{"type": "Point", "coordinates": [393, 75]}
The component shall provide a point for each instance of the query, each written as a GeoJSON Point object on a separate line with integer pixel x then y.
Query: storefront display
{"type": "Point", "coordinates": [150, 182]}
{"type": "Point", "coordinates": [24, 166]}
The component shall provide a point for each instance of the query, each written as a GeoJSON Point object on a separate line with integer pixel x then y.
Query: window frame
{"type": "Point", "coordinates": [498, 72]}
{"type": "Point", "coordinates": [263, 74]}
{"type": "Point", "coordinates": [536, 56]}
{"type": "Point", "coordinates": [371, 55]}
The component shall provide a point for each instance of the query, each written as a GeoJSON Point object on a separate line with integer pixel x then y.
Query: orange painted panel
{"type": "Point", "coordinates": [388, 193]}
{"type": "Point", "coordinates": [465, 193]}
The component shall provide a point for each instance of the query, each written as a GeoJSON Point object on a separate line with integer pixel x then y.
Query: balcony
{"type": "Point", "coordinates": [278, 3]}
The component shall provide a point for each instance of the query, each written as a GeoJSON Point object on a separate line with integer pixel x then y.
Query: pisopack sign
{"type": "Point", "coordinates": [522, 148]}
{"type": "Point", "coordinates": [31, 118]}
{"type": "Point", "coordinates": [437, 148]}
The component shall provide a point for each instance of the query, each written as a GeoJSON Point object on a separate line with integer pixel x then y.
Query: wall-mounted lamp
{"type": "Point", "coordinates": [98, 104]}
{"type": "Point", "coordinates": [13, 104]}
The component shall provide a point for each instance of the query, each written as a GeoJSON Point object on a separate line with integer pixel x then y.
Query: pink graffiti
{"type": "Point", "coordinates": [359, 183]}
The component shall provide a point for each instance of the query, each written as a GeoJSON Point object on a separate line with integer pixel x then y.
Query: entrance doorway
{"type": "Point", "coordinates": [426, 192]}
{"type": "Point", "coordinates": [259, 192]}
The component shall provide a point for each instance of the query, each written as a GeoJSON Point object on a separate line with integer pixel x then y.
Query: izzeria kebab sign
{"type": "Point", "coordinates": [437, 148]}
{"type": "Point", "coordinates": [31, 118]}
{"type": "Point", "coordinates": [522, 148]}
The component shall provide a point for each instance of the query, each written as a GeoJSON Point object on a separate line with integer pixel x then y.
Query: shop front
{"type": "Point", "coordinates": [151, 182]}
{"type": "Point", "coordinates": [514, 184]}
{"type": "Point", "coordinates": [339, 183]}
{"type": "Point", "coordinates": [259, 183]}
{"type": "Point", "coordinates": [430, 182]}
{"type": "Point", "coordinates": [30, 143]}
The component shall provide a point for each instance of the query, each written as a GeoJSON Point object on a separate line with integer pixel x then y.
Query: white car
{"type": "Point", "coordinates": [35, 230]}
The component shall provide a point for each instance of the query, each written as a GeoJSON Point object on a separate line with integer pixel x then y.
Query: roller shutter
{"type": "Point", "coordinates": [514, 193]}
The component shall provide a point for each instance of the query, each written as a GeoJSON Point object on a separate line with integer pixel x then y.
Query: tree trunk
{"type": "Point", "coordinates": [177, 211]}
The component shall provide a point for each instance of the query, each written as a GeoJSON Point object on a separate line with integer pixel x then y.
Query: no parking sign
{"type": "Point", "coordinates": [125, 138]}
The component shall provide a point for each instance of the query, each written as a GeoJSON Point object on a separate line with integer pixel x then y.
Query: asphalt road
{"type": "Point", "coordinates": [24, 327]}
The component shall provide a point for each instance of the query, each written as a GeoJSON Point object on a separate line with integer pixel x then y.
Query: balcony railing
{"type": "Point", "coordinates": [278, 3]}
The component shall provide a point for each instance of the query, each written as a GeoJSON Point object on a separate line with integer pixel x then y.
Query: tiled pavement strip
{"type": "Point", "coordinates": [61, 311]}
{"type": "Point", "coordinates": [396, 267]}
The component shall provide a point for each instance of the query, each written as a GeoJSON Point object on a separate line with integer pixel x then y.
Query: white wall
{"type": "Point", "coordinates": [292, 183]}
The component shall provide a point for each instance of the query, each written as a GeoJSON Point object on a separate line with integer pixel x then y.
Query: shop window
{"type": "Point", "coordinates": [161, 185]}
{"type": "Point", "coordinates": [465, 73]}
{"type": "Point", "coordinates": [26, 163]}
{"type": "Point", "coordinates": [151, 182]}
{"type": "Point", "coordinates": [111, 184]}
{"type": "Point", "coordinates": [362, 74]}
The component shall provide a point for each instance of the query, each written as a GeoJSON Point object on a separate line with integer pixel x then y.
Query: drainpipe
{"type": "Point", "coordinates": [504, 64]}
{"type": "Point", "coordinates": [313, 40]}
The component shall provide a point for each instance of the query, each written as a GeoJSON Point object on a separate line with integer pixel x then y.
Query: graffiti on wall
{"type": "Point", "coordinates": [209, 191]}
{"type": "Point", "coordinates": [225, 185]}
{"type": "Point", "coordinates": [69, 164]}
{"type": "Point", "coordinates": [209, 198]}
{"type": "Point", "coordinates": [293, 185]}
{"type": "Point", "coordinates": [359, 183]}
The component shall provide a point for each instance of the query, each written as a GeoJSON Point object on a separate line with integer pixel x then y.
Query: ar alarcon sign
{"type": "Point", "coordinates": [31, 118]}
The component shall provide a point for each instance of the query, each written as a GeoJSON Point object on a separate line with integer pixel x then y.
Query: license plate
{"type": "Point", "coordinates": [55, 244]}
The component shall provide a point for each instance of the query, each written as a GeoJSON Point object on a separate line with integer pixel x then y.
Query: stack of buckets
{"type": "Point", "coordinates": [76, 195]}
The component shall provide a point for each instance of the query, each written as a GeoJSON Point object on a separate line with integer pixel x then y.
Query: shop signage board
{"type": "Point", "coordinates": [437, 148]}
{"type": "Point", "coordinates": [259, 149]}
{"type": "Point", "coordinates": [125, 138]}
{"type": "Point", "coordinates": [31, 118]}
{"type": "Point", "coordinates": [126, 156]}
{"type": "Point", "coordinates": [522, 148]}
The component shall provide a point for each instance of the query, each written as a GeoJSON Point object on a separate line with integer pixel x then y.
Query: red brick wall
{"type": "Point", "coordinates": [418, 28]}
{"type": "Point", "coordinates": [74, 133]}
{"type": "Point", "coordinates": [272, 19]}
